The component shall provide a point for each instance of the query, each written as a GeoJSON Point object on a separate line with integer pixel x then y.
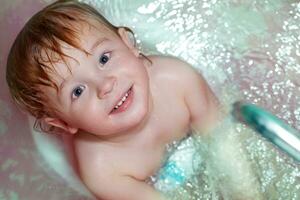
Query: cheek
{"type": "Point", "coordinates": [85, 122]}
{"type": "Point", "coordinates": [129, 58]}
{"type": "Point", "coordinates": [80, 115]}
{"type": "Point", "coordinates": [138, 68]}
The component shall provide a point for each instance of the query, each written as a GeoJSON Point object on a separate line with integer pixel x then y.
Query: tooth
{"type": "Point", "coordinates": [123, 99]}
{"type": "Point", "coordinates": [126, 94]}
{"type": "Point", "coordinates": [120, 103]}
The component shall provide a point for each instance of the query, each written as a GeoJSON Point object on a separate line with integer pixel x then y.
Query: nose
{"type": "Point", "coordinates": [106, 87]}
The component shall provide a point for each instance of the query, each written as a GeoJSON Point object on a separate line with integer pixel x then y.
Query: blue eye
{"type": "Point", "coordinates": [104, 58]}
{"type": "Point", "coordinates": [77, 91]}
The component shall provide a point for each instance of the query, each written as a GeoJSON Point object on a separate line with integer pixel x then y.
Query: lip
{"type": "Point", "coordinates": [120, 97]}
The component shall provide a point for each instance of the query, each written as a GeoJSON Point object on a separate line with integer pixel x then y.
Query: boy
{"type": "Point", "coordinates": [78, 74]}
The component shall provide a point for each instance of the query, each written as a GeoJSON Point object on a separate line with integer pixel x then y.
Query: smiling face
{"type": "Point", "coordinates": [103, 93]}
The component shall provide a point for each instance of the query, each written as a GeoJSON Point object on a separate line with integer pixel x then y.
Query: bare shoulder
{"type": "Point", "coordinates": [175, 69]}
{"type": "Point", "coordinates": [104, 178]}
{"type": "Point", "coordinates": [96, 171]}
{"type": "Point", "coordinates": [91, 160]}
{"type": "Point", "coordinates": [170, 63]}
{"type": "Point", "coordinates": [91, 157]}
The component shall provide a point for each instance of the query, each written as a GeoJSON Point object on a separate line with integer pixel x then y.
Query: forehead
{"type": "Point", "coordinates": [87, 37]}
{"type": "Point", "coordinates": [88, 34]}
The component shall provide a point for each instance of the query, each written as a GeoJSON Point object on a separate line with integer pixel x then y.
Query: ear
{"type": "Point", "coordinates": [58, 123]}
{"type": "Point", "coordinates": [129, 41]}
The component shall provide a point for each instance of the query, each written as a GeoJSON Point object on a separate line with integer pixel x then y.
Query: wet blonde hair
{"type": "Point", "coordinates": [31, 56]}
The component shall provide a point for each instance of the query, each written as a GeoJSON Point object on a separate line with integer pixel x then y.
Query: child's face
{"type": "Point", "coordinates": [89, 94]}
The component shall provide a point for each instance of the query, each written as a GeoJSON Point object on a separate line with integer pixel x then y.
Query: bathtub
{"type": "Point", "coordinates": [249, 47]}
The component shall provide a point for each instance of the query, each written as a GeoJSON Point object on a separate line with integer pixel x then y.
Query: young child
{"type": "Point", "coordinates": [78, 74]}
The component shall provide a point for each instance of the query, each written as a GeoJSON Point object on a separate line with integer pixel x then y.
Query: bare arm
{"type": "Point", "coordinates": [106, 185]}
{"type": "Point", "coordinates": [202, 104]}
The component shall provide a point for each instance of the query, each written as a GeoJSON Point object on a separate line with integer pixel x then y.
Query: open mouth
{"type": "Point", "coordinates": [124, 102]}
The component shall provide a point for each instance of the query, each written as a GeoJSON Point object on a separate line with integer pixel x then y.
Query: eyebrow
{"type": "Point", "coordinates": [61, 86]}
{"type": "Point", "coordinates": [97, 43]}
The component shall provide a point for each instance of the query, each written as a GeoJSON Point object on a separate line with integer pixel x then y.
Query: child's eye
{"type": "Point", "coordinates": [77, 91]}
{"type": "Point", "coordinates": [104, 58]}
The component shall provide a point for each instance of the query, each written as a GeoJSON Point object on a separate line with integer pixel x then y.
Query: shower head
{"type": "Point", "coordinates": [270, 127]}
